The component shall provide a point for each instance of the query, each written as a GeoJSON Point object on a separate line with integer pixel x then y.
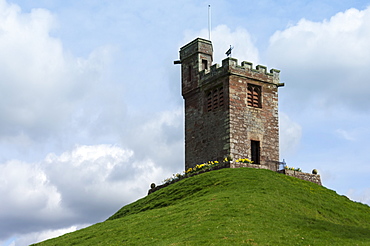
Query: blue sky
{"type": "Point", "coordinates": [91, 110]}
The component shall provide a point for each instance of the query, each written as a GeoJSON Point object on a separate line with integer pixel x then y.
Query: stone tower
{"type": "Point", "coordinates": [230, 110]}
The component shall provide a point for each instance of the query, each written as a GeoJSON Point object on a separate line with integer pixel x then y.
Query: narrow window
{"type": "Point", "coordinates": [254, 96]}
{"type": "Point", "coordinates": [255, 150]}
{"type": "Point", "coordinates": [189, 73]}
{"type": "Point", "coordinates": [204, 64]}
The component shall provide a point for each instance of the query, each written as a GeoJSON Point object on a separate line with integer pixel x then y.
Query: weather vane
{"type": "Point", "coordinates": [228, 52]}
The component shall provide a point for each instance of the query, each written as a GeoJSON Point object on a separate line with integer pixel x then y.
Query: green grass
{"type": "Point", "coordinates": [233, 207]}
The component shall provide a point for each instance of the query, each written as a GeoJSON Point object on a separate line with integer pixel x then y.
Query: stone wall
{"type": "Point", "coordinates": [273, 166]}
{"type": "Point", "coordinates": [206, 132]}
{"type": "Point", "coordinates": [314, 178]}
{"type": "Point", "coordinates": [223, 124]}
{"type": "Point", "coordinates": [253, 123]}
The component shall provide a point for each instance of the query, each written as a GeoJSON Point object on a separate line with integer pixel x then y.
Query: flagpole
{"type": "Point", "coordinates": [209, 21]}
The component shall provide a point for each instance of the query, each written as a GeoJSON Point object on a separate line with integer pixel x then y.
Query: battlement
{"type": "Point", "coordinates": [230, 66]}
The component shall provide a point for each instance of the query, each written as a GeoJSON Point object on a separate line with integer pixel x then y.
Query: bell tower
{"type": "Point", "coordinates": [230, 110]}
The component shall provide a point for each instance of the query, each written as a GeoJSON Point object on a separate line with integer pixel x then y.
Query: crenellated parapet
{"type": "Point", "coordinates": [230, 66]}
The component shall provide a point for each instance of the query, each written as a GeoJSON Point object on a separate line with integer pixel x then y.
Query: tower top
{"type": "Point", "coordinates": [198, 45]}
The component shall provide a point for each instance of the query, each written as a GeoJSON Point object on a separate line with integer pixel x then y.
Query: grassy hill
{"type": "Point", "coordinates": [233, 207]}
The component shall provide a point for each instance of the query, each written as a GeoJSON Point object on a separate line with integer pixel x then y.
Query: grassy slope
{"type": "Point", "coordinates": [233, 207]}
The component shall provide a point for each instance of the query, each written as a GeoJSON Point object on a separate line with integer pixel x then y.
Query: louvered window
{"type": "Point", "coordinates": [254, 96]}
{"type": "Point", "coordinates": [215, 99]}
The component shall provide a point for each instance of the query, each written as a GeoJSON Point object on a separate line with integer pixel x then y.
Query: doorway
{"type": "Point", "coordinates": [255, 150]}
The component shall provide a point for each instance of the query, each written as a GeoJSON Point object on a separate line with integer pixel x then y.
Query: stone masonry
{"type": "Point", "coordinates": [314, 178]}
{"type": "Point", "coordinates": [230, 110]}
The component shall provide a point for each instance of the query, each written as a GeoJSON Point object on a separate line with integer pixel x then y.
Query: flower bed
{"type": "Point", "coordinates": [293, 169]}
{"type": "Point", "coordinates": [198, 169]}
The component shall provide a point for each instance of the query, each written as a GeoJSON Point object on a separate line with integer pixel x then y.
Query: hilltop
{"type": "Point", "coordinates": [233, 207]}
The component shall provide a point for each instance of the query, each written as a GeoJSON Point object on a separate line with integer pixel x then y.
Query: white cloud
{"type": "Point", "coordinates": [88, 183]}
{"type": "Point", "coordinates": [324, 66]}
{"type": "Point", "coordinates": [353, 132]}
{"type": "Point", "coordinates": [160, 137]}
{"type": "Point", "coordinates": [104, 175]}
{"type": "Point", "coordinates": [30, 238]}
{"type": "Point", "coordinates": [84, 185]}
{"type": "Point", "coordinates": [326, 62]}
{"type": "Point", "coordinates": [362, 195]}
{"type": "Point", "coordinates": [345, 134]}
{"type": "Point", "coordinates": [25, 188]}
{"type": "Point", "coordinates": [290, 135]}
{"type": "Point", "coordinates": [40, 82]}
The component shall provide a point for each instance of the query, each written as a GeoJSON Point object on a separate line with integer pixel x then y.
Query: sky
{"type": "Point", "coordinates": [91, 108]}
